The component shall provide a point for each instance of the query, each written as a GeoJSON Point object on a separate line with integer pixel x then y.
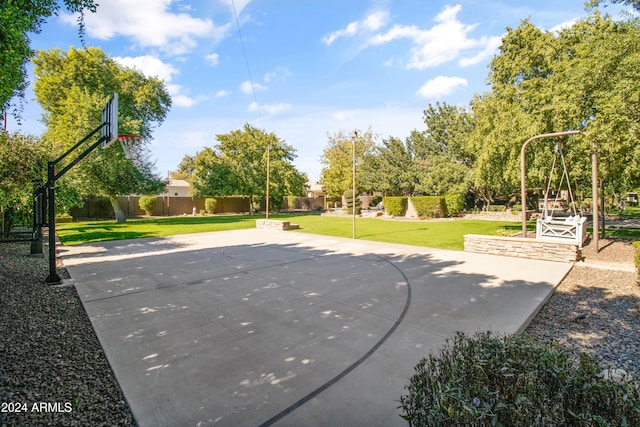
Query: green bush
{"type": "Point", "coordinates": [430, 206]}
{"type": "Point", "coordinates": [395, 206]}
{"type": "Point", "coordinates": [487, 380]}
{"type": "Point", "coordinates": [210, 205]}
{"type": "Point", "coordinates": [148, 204]}
{"type": "Point", "coordinates": [349, 203]}
{"type": "Point", "coordinates": [454, 203]}
{"type": "Point", "coordinates": [496, 208]}
{"type": "Point", "coordinates": [292, 202]}
{"type": "Point", "coordinates": [636, 248]}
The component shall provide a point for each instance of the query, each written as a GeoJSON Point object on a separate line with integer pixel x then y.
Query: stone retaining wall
{"type": "Point", "coordinates": [271, 224]}
{"type": "Point", "coordinates": [522, 248]}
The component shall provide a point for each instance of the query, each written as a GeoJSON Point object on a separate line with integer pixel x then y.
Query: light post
{"type": "Point", "coordinates": [268, 177]}
{"type": "Point", "coordinates": [354, 138]}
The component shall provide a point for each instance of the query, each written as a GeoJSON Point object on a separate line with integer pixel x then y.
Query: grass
{"type": "Point", "coordinates": [75, 233]}
{"type": "Point", "coordinates": [434, 234]}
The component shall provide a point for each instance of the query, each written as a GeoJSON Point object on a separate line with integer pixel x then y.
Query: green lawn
{"type": "Point", "coordinates": [435, 234]}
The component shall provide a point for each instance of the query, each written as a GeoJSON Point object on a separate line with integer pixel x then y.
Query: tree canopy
{"type": "Point", "coordinates": [237, 166]}
{"type": "Point", "coordinates": [337, 161]}
{"type": "Point", "coordinates": [72, 88]}
{"type": "Point", "coordinates": [19, 18]}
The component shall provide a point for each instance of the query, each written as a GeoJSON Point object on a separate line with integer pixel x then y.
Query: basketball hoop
{"type": "Point", "coordinates": [128, 140]}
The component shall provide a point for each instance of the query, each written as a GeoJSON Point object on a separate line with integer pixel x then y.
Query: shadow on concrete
{"type": "Point", "coordinates": [287, 333]}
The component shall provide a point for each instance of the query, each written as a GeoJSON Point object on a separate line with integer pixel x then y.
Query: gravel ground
{"type": "Point", "coordinates": [596, 308]}
{"type": "Point", "coordinates": [50, 355]}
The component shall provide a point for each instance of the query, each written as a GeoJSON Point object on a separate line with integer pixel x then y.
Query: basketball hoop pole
{"type": "Point", "coordinates": [108, 127]}
{"type": "Point", "coordinates": [52, 177]}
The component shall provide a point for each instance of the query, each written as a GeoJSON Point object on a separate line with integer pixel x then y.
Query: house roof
{"type": "Point", "coordinates": [178, 183]}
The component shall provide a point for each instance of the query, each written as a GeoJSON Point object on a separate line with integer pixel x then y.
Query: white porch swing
{"type": "Point", "coordinates": [571, 229]}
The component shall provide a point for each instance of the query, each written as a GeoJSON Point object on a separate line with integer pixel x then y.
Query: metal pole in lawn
{"type": "Point", "coordinates": [353, 187]}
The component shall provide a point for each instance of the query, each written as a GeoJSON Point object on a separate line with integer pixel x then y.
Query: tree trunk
{"type": "Point", "coordinates": [115, 204]}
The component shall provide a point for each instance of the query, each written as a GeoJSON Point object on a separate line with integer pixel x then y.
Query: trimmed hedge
{"type": "Point", "coordinates": [395, 206]}
{"type": "Point", "coordinates": [349, 202]}
{"type": "Point", "coordinates": [455, 203]}
{"type": "Point", "coordinates": [430, 206]}
{"type": "Point", "coordinates": [488, 380]}
{"type": "Point", "coordinates": [148, 204]}
{"type": "Point", "coordinates": [497, 208]}
{"type": "Point", "coordinates": [210, 205]}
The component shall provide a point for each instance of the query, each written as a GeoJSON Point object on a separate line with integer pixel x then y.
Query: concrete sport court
{"type": "Point", "coordinates": [260, 327]}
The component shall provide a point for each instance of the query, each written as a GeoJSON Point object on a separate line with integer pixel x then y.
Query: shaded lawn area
{"type": "Point", "coordinates": [434, 234]}
{"type": "Point", "coordinates": [75, 233]}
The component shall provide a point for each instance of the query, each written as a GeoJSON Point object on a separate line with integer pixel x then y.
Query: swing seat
{"type": "Point", "coordinates": [569, 230]}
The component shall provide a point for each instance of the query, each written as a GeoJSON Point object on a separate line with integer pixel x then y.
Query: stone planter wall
{"type": "Point", "coordinates": [522, 248]}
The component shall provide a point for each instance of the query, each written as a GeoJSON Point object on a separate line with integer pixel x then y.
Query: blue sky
{"type": "Point", "coordinates": [317, 66]}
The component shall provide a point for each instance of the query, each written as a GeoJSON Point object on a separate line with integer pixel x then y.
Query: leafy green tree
{"type": "Point", "coordinates": [19, 18]}
{"type": "Point", "coordinates": [389, 168]}
{"type": "Point", "coordinates": [337, 161]}
{"type": "Point", "coordinates": [237, 166]}
{"type": "Point", "coordinates": [72, 89]}
{"type": "Point", "coordinates": [23, 165]}
{"type": "Point", "coordinates": [591, 4]}
{"type": "Point", "coordinates": [443, 154]}
{"type": "Point", "coordinates": [579, 78]}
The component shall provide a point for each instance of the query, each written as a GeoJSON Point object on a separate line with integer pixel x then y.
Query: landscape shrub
{"type": "Point", "coordinates": [587, 204]}
{"type": "Point", "coordinates": [395, 206]}
{"type": "Point", "coordinates": [349, 203]}
{"type": "Point", "coordinates": [496, 208]}
{"type": "Point", "coordinates": [430, 206]}
{"type": "Point", "coordinates": [148, 204]}
{"type": "Point", "coordinates": [210, 205]}
{"type": "Point", "coordinates": [454, 203]}
{"type": "Point", "coordinates": [292, 202]}
{"type": "Point", "coordinates": [489, 380]}
{"type": "Point", "coordinates": [375, 201]}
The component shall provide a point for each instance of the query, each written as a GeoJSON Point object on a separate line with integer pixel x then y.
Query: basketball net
{"type": "Point", "coordinates": [128, 142]}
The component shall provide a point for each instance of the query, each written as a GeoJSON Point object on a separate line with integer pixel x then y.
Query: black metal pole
{"type": "Point", "coordinates": [52, 278]}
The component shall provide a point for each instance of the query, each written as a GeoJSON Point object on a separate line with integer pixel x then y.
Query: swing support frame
{"type": "Point", "coordinates": [594, 180]}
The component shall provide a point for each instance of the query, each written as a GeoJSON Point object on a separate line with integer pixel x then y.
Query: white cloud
{"type": "Point", "coordinates": [280, 73]}
{"type": "Point", "coordinates": [491, 46]}
{"type": "Point", "coordinates": [441, 86]}
{"type": "Point", "coordinates": [150, 23]}
{"type": "Point", "coordinates": [269, 108]}
{"type": "Point", "coordinates": [446, 40]}
{"type": "Point", "coordinates": [212, 59]}
{"type": "Point", "coordinates": [194, 139]}
{"type": "Point", "coordinates": [151, 66]}
{"type": "Point", "coordinates": [341, 116]}
{"type": "Point", "coordinates": [434, 46]}
{"type": "Point", "coordinates": [222, 93]}
{"type": "Point", "coordinates": [245, 87]}
{"type": "Point", "coordinates": [238, 4]}
{"type": "Point", "coordinates": [561, 26]}
{"type": "Point", "coordinates": [372, 22]}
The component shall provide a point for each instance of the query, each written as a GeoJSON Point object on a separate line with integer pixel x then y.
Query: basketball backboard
{"type": "Point", "coordinates": [110, 121]}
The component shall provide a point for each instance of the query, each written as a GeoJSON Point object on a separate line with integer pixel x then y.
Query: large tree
{"type": "Point", "coordinates": [19, 18]}
{"type": "Point", "coordinates": [584, 77]}
{"type": "Point", "coordinates": [237, 166]}
{"type": "Point", "coordinates": [337, 161]}
{"type": "Point", "coordinates": [72, 88]}
{"type": "Point", "coordinates": [23, 164]}
{"type": "Point", "coordinates": [443, 153]}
